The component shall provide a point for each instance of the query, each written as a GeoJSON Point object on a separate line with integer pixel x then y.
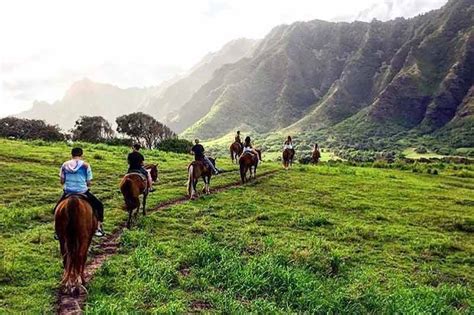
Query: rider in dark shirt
{"type": "Point", "coordinates": [198, 151]}
{"type": "Point", "coordinates": [135, 160]}
{"type": "Point", "coordinates": [136, 164]}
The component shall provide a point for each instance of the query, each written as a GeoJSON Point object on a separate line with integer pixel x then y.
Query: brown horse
{"type": "Point", "coordinates": [132, 186]}
{"type": "Point", "coordinates": [288, 156]}
{"type": "Point", "coordinates": [75, 224]}
{"type": "Point", "coordinates": [249, 162]}
{"type": "Point", "coordinates": [199, 169]}
{"type": "Point", "coordinates": [316, 155]}
{"type": "Point", "coordinates": [235, 151]}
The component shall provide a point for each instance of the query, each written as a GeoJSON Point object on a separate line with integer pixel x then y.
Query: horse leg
{"type": "Point", "coordinates": [206, 182]}
{"type": "Point", "coordinates": [144, 203]}
{"type": "Point", "coordinates": [195, 188]}
{"type": "Point", "coordinates": [129, 220]}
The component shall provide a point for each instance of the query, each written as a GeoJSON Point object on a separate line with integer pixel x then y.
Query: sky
{"type": "Point", "coordinates": [47, 45]}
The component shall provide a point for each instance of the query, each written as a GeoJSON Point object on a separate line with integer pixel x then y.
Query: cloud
{"type": "Point", "coordinates": [46, 45]}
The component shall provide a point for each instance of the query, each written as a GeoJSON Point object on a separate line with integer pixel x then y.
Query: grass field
{"type": "Point", "coordinates": [326, 238]}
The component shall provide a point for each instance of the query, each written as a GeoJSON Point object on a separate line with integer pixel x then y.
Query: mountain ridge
{"type": "Point", "coordinates": [411, 73]}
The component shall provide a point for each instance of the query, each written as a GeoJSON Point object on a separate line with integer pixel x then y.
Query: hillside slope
{"type": "Point", "coordinates": [86, 97]}
{"type": "Point", "coordinates": [166, 104]}
{"type": "Point", "coordinates": [406, 74]}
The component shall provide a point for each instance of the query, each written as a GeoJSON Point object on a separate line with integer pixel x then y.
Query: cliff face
{"type": "Point", "coordinates": [410, 74]}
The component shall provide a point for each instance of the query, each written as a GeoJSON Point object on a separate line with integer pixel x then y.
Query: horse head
{"type": "Point", "coordinates": [153, 168]}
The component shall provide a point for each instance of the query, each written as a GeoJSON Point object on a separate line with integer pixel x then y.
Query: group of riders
{"type": "Point", "coordinates": [76, 174]}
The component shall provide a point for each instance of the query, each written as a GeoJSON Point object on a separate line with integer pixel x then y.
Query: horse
{"type": "Point", "coordinates": [249, 161]}
{"type": "Point", "coordinates": [288, 156]}
{"type": "Point", "coordinates": [199, 169]}
{"type": "Point", "coordinates": [75, 224]}
{"type": "Point", "coordinates": [315, 156]}
{"type": "Point", "coordinates": [235, 151]}
{"type": "Point", "coordinates": [132, 186]}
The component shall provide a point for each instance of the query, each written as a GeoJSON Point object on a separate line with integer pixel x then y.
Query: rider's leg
{"type": "Point", "coordinates": [98, 207]}
{"type": "Point", "coordinates": [59, 201]}
{"type": "Point", "coordinates": [214, 169]}
{"type": "Point", "coordinates": [54, 211]}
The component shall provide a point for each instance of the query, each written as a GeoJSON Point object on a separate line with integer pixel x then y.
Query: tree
{"type": "Point", "coordinates": [175, 145]}
{"type": "Point", "coordinates": [29, 129]}
{"type": "Point", "coordinates": [143, 129]}
{"type": "Point", "coordinates": [92, 129]}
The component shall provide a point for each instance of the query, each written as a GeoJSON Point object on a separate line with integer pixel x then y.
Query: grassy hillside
{"type": "Point", "coordinates": [321, 239]}
{"type": "Point", "coordinates": [330, 238]}
{"type": "Point", "coordinates": [30, 265]}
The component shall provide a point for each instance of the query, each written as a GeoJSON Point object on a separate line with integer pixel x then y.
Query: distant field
{"type": "Point", "coordinates": [323, 238]}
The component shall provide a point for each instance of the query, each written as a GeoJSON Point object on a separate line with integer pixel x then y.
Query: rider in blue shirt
{"type": "Point", "coordinates": [76, 177]}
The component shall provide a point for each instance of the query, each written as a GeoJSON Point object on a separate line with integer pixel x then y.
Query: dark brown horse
{"type": "Point", "coordinates": [235, 151]}
{"type": "Point", "coordinates": [75, 224]}
{"type": "Point", "coordinates": [315, 156]}
{"type": "Point", "coordinates": [196, 170]}
{"type": "Point", "coordinates": [249, 162]}
{"type": "Point", "coordinates": [132, 186]}
{"type": "Point", "coordinates": [288, 156]}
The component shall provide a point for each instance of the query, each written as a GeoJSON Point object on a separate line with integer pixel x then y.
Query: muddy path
{"type": "Point", "coordinates": [66, 304]}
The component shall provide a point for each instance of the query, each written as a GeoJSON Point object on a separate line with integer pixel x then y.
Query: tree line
{"type": "Point", "coordinates": [136, 127]}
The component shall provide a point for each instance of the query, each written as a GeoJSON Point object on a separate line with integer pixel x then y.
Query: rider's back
{"type": "Point", "coordinates": [76, 174]}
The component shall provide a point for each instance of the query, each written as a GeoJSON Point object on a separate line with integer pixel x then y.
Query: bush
{"type": "Point", "coordinates": [305, 159]}
{"type": "Point", "coordinates": [175, 145]}
{"type": "Point", "coordinates": [421, 150]}
{"type": "Point", "coordinates": [119, 142]}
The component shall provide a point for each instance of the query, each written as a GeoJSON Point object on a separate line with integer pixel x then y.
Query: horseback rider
{"type": "Point", "coordinates": [136, 162]}
{"type": "Point", "coordinates": [198, 151]}
{"type": "Point", "coordinates": [316, 153]}
{"type": "Point", "coordinates": [288, 144]}
{"type": "Point", "coordinates": [248, 147]}
{"type": "Point", "coordinates": [75, 176]}
{"type": "Point", "coordinates": [238, 139]}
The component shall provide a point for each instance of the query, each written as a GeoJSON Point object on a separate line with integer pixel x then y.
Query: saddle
{"type": "Point", "coordinates": [81, 195]}
{"type": "Point", "coordinates": [142, 176]}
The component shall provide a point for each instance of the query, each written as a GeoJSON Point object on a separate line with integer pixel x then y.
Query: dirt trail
{"type": "Point", "coordinates": [67, 304]}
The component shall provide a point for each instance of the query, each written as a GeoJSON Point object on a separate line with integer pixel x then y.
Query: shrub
{"type": "Point", "coordinates": [175, 145]}
{"type": "Point", "coordinates": [421, 150]}
{"type": "Point", "coordinates": [305, 159]}
{"type": "Point", "coordinates": [119, 142]}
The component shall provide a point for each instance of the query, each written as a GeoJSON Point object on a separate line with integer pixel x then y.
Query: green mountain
{"type": "Point", "coordinates": [167, 102]}
{"type": "Point", "coordinates": [348, 80]}
{"type": "Point", "coordinates": [86, 97]}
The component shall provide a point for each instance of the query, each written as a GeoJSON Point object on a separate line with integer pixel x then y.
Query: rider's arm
{"type": "Point", "coordinates": [89, 175]}
{"type": "Point", "coordinates": [61, 176]}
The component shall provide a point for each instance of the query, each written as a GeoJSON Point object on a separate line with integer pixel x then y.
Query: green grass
{"type": "Point", "coordinates": [315, 239]}
{"type": "Point", "coordinates": [30, 265]}
{"type": "Point", "coordinates": [411, 154]}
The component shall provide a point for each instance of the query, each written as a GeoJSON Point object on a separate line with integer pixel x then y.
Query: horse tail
{"type": "Point", "coordinates": [190, 179]}
{"type": "Point", "coordinates": [131, 201]}
{"type": "Point", "coordinates": [72, 241]}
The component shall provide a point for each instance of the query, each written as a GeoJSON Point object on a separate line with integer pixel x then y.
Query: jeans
{"type": "Point", "coordinates": [206, 159]}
